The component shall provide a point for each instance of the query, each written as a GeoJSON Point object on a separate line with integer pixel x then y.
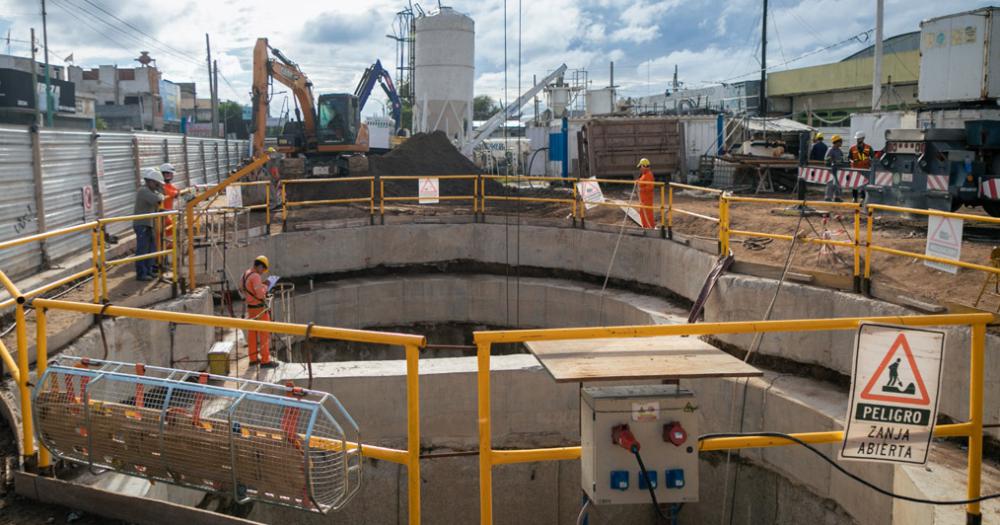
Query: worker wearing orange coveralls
{"type": "Point", "coordinates": [645, 184]}
{"type": "Point", "coordinates": [255, 291]}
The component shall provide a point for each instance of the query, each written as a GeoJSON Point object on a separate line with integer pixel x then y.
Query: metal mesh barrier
{"type": "Point", "coordinates": [258, 441]}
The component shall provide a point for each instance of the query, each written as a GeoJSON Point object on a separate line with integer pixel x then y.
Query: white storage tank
{"type": "Point", "coordinates": [960, 57]}
{"type": "Point", "coordinates": [445, 72]}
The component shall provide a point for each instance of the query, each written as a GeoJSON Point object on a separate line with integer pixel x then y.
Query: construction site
{"type": "Point", "coordinates": [577, 306]}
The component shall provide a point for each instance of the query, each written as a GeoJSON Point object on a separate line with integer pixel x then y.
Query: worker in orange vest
{"type": "Point", "coordinates": [645, 184]}
{"type": "Point", "coordinates": [860, 156]}
{"type": "Point", "coordinates": [255, 290]}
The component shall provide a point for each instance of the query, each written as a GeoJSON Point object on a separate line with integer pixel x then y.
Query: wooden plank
{"type": "Point", "coordinates": [115, 506]}
{"type": "Point", "coordinates": [666, 357]}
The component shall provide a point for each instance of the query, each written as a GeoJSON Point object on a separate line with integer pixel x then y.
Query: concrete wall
{"type": "Point", "coordinates": [532, 410]}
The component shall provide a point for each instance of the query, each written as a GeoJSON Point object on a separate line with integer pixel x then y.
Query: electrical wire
{"type": "Point", "coordinates": [669, 517]}
{"type": "Point", "coordinates": [844, 471]}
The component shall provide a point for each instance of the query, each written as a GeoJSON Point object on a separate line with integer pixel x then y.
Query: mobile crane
{"type": "Point", "coordinates": [325, 132]}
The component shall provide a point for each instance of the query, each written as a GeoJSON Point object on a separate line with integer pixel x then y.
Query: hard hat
{"type": "Point", "coordinates": [167, 168]}
{"type": "Point", "coordinates": [819, 136]}
{"type": "Point", "coordinates": [836, 138]}
{"type": "Point", "coordinates": [271, 149]}
{"type": "Point", "coordinates": [643, 163]}
{"type": "Point", "coordinates": [152, 174]}
{"type": "Point", "coordinates": [859, 135]}
{"type": "Point", "coordinates": [262, 259]}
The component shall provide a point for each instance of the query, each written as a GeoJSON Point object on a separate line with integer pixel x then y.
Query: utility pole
{"type": "Point", "coordinates": [215, 99]}
{"type": "Point", "coordinates": [762, 101]}
{"type": "Point", "coordinates": [877, 80]}
{"type": "Point", "coordinates": [34, 80]}
{"type": "Point", "coordinates": [48, 81]}
{"type": "Point", "coordinates": [211, 89]}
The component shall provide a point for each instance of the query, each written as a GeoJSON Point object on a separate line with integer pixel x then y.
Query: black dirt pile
{"type": "Point", "coordinates": [423, 154]}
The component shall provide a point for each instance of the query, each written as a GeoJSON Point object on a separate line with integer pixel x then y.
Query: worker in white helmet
{"type": "Point", "coordinates": [147, 200]}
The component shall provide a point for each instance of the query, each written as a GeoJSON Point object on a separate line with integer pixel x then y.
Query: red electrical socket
{"type": "Point", "coordinates": [674, 433]}
{"type": "Point", "coordinates": [622, 436]}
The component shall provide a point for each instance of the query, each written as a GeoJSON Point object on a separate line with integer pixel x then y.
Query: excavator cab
{"type": "Point", "coordinates": [338, 121]}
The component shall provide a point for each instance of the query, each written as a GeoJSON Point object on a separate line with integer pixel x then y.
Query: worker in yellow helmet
{"type": "Point", "coordinates": [834, 159]}
{"type": "Point", "coordinates": [255, 292]}
{"type": "Point", "coordinates": [645, 184]}
{"type": "Point", "coordinates": [818, 151]}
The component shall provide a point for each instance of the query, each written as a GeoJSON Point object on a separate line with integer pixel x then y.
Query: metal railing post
{"type": "Point", "coordinates": [663, 210]}
{"type": "Point", "coordinates": [95, 261]}
{"type": "Point", "coordinates": [723, 225]}
{"type": "Point", "coordinates": [857, 249]}
{"type": "Point", "coordinates": [381, 200]}
{"type": "Point", "coordinates": [866, 284]}
{"type": "Point", "coordinates": [27, 422]}
{"type": "Point", "coordinates": [284, 205]}
{"type": "Point", "coordinates": [102, 259]}
{"type": "Point", "coordinates": [413, 431]}
{"type": "Point", "coordinates": [174, 252]}
{"type": "Point", "coordinates": [267, 206]}
{"type": "Point", "coordinates": [485, 436]}
{"type": "Point", "coordinates": [576, 198]}
{"type": "Point", "coordinates": [976, 363]}
{"type": "Point", "coordinates": [371, 201]}
{"type": "Point", "coordinates": [41, 362]}
{"type": "Point", "coordinates": [670, 212]}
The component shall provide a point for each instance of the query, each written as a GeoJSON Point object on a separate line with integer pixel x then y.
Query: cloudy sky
{"type": "Point", "coordinates": [334, 40]}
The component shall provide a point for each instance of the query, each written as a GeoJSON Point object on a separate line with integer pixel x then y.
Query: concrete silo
{"type": "Point", "coordinates": [444, 73]}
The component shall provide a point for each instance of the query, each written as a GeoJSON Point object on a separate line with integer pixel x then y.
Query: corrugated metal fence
{"type": "Point", "coordinates": [88, 175]}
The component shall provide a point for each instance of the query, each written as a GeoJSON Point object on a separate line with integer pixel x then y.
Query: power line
{"type": "Point", "coordinates": [172, 50]}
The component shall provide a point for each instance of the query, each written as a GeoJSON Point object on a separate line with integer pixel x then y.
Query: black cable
{"type": "Point", "coordinates": [100, 326]}
{"type": "Point", "coordinates": [649, 485]}
{"type": "Point", "coordinates": [844, 471]}
{"type": "Point", "coordinates": [307, 346]}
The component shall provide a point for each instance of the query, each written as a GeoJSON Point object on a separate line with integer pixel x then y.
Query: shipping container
{"type": "Point", "coordinates": [960, 57]}
{"type": "Point", "coordinates": [614, 146]}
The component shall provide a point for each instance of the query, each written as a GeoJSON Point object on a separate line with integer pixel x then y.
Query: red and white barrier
{"type": "Point", "coordinates": [852, 179]}
{"type": "Point", "coordinates": [989, 189]}
{"type": "Point", "coordinates": [883, 178]}
{"type": "Point", "coordinates": [937, 183]}
{"type": "Point", "coordinates": [815, 175]}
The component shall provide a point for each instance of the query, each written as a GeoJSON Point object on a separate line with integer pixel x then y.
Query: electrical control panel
{"type": "Point", "coordinates": [662, 421]}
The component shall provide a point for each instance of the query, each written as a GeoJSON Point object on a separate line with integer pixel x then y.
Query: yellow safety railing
{"type": "Point", "coordinates": [658, 188]}
{"type": "Point", "coordinates": [870, 245]}
{"type": "Point", "coordinates": [267, 198]}
{"type": "Point", "coordinates": [96, 239]}
{"type": "Point", "coordinates": [484, 197]}
{"type": "Point", "coordinates": [103, 263]}
{"type": "Point", "coordinates": [189, 208]}
{"type": "Point", "coordinates": [489, 457]}
{"type": "Point", "coordinates": [474, 197]}
{"type": "Point", "coordinates": [671, 209]}
{"type": "Point", "coordinates": [726, 232]}
{"type": "Point", "coordinates": [410, 457]}
{"type": "Point", "coordinates": [370, 199]}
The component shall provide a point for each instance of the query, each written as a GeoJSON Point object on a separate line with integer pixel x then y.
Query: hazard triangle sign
{"type": "Point", "coordinates": [894, 392]}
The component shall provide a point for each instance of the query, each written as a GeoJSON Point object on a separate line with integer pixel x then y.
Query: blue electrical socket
{"type": "Point", "coordinates": [675, 478]}
{"type": "Point", "coordinates": [652, 479]}
{"type": "Point", "coordinates": [619, 480]}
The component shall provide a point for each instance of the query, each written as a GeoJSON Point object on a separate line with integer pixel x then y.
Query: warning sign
{"type": "Point", "coordinates": [429, 190]}
{"type": "Point", "coordinates": [590, 192]}
{"type": "Point", "coordinates": [944, 240]}
{"type": "Point", "coordinates": [88, 199]}
{"type": "Point", "coordinates": [894, 393]}
{"type": "Point", "coordinates": [234, 196]}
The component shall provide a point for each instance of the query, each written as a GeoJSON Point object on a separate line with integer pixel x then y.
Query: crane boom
{"type": "Point", "coordinates": [377, 74]}
{"type": "Point", "coordinates": [288, 73]}
{"type": "Point", "coordinates": [501, 116]}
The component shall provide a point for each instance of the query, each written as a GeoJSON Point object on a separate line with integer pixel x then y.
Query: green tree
{"type": "Point", "coordinates": [231, 114]}
{"type": "Point", "coordinates": [100, 124]}
{"type": "Point", "coordinates": [406, 112]}
{"type": "Point", "coordinates": [483, 107]}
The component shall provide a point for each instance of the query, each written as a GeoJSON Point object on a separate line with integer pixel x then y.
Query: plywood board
{"type": "Point", "coordinates": [665, 357]}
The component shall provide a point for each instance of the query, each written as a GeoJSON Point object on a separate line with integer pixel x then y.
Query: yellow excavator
{"type": "Point", "coordinates": [326, 131]}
